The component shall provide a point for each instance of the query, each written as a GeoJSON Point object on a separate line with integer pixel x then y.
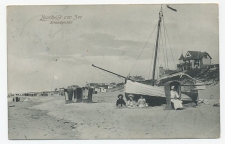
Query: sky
{"type": "Point", "coordinates": [109, 36]}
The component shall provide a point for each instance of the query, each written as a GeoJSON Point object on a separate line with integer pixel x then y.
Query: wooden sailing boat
{"type": "Point", "coordinates": [158, 89]}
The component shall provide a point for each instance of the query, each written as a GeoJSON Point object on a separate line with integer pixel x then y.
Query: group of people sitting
{"type": "Point", "coordinates": [141, 103]}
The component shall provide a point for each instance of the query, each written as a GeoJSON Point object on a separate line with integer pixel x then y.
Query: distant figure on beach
{"type": "Point", "coordinates": [120, 102]}
{"type": "Point", "coordinates": [175, 99]}
{"type": "Point", "coordinates": [141, 102]}
{"type": "Point", "coordinates": [131, 102]}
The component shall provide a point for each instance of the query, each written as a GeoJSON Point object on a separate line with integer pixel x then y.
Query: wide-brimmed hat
{"type": "Point", "coordinates": [130, 95]}
{"type": "Point", "coordinates": [120, 95]}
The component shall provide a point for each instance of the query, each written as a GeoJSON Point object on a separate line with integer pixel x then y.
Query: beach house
{"type": "Point", "coordinates": [194, 60]}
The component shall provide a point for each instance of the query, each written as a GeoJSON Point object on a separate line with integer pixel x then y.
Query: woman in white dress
{"type": "Point", "coordinates": [175, 99]}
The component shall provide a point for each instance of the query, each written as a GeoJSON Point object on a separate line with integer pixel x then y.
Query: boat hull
{"type": "Point", "coordinates": [133, 87]}
{"type": "Point", "coordinates": [154, 95]}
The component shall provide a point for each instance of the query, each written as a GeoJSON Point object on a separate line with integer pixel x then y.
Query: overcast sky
{"type": "Point", "coordinates": [109, 36]}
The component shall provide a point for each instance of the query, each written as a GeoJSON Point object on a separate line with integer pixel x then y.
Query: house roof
{"type": "Point", "coordinates": [195, 55]}
{"type": "Point", "coordinates": [181, 57]}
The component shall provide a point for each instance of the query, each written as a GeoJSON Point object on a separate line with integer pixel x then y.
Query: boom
{"type": "Point", "coordinates": [109, 71]}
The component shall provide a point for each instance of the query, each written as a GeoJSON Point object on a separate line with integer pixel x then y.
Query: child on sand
{"type": "Point", "coordinates": [131, 102]}
{"type": "Point", "coordinates": [141, 102]}
{"type": "Point", "coordinates": [120, 102]}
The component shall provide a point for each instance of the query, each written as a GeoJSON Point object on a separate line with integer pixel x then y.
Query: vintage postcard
{"type": "Point", "coordinates": [113, 71]}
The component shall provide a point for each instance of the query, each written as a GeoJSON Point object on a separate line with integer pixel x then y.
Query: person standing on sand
{"type": "Point", "coordinates": [131, 102]}
{"type": "Point", "coordinates": [141, 102]}
{"type": "Point", "coordinates": [175, 99]}
{"type": "Point", "coordinates": [120, 102]}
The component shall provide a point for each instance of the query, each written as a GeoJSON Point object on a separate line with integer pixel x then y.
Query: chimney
{"type": "Point", "coordinates": [161, 71]}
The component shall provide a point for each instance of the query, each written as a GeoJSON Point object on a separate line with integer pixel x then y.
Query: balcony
{"type": "Point", "coordinates": [184, 65]}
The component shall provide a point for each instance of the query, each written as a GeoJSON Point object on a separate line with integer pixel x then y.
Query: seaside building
{"type": "Point", "coordinates": [194, 60]}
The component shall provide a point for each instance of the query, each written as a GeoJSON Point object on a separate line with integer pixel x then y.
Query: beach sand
{"type": "Point", "coordinates": [50, 118]}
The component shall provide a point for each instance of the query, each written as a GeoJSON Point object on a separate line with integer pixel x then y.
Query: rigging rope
{"type": "Point", "coordinates": [169, 43]}
{"type": "Point", "coordinates": [165, 43]}
{"type": "Point", "coordinates": [141, 51]}
{"type": "Point", "coordinates": [181, 40]}
{"type": "Point", "coordinates": [152, 59]}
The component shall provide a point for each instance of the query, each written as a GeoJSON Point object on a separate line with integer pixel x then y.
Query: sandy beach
{"type": "Point", "coordinates": [50, 118]}
{"type": "Point", "coordinates": [132, 48]}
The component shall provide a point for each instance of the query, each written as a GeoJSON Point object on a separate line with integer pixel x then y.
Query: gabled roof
{"type": "Point", "coordinates": [181, 57]}
{"type": "Point", "coordinates": [205, 53]}
{"type": "Point", "coordinates": [195, 55]}
{"type": "Point", "coordinates": [180, 76]}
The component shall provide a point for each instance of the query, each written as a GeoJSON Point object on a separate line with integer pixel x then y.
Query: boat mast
{"type": "Point", "coordinates": [156, 48]}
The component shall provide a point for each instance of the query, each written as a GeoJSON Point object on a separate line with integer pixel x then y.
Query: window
{"type": "Point", "coordinates": [188, 54]}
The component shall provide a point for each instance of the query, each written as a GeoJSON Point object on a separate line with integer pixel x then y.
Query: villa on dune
{"type": "Point", "coordinates": [194, 60]}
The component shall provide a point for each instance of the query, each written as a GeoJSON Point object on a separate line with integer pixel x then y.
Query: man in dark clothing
{"type": "Point", "coordinates": [120, 102]}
